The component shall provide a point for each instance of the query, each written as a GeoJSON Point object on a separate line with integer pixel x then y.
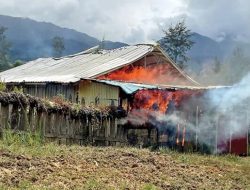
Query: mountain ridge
{"type": "Point", "coordinates": [34, 38]}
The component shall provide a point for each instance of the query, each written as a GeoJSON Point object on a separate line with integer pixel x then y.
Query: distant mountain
{"type": "Point", "coordinates": [206, 49]}
{"type": "Point", "coordinates": [31, 39]}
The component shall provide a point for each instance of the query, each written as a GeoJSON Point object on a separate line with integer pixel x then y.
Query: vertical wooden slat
{"type": "Point", "coordinates": [9, 111]}
{"type": "Point", "coordinates": [107, 130]}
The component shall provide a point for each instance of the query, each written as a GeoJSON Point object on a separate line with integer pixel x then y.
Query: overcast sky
{"type": "Point", "coordinates": [137, 21]}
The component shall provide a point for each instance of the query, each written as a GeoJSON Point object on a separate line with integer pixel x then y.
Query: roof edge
{"type": "Point", "coordinates": [176, 66]}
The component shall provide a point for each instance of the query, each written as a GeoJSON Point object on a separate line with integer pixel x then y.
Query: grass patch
{"type": "Point", "coordinates": [28, 143]}
{"type": "Point", "coordinates": [11, 137]}
{"type": "Point", "coordinates": [149, 187]}
{"type": "Point", "coordinates": [93, 184]}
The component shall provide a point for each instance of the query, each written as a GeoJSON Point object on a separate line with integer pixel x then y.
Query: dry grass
{"type": "Point", "coordinates": [73, 167]}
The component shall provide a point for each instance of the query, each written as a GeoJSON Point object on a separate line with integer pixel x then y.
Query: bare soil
{"type": "Point", "coordinates": [119, 168]}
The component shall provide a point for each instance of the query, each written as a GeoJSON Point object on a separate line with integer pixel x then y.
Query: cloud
{"type": "Point", "coordinates": [135, 21]}
{"type": "Point", "coordinates": [214, 18]}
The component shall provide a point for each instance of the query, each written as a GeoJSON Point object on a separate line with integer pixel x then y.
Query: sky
{"type": "Point", "coordinates": [138, 21]}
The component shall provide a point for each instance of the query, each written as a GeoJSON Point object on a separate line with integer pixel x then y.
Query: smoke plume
{"type": "Point", "coordinates": [222, 116]}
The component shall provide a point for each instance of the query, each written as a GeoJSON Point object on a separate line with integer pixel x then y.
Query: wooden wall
{"type": "Point", "coordinates": [49, 90]}
{"type": "Point", "coordinates": [98, 94]}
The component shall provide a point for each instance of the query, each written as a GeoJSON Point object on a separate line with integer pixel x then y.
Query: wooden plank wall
{"type": "Point", "coordinates": [50, 90]}
{"type": "Point", "coordinates": [63, 128]}
{"type": "Point", "coordinates": [98, 94]}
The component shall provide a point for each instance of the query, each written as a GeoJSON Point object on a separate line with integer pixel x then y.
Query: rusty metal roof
{"type": "Point", "coordinates": [84, 65]}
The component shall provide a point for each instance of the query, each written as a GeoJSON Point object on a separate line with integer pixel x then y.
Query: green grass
{"type": "Point", "coordinates": [27, 143]}
{"type": "Point", "coordinates": [21, 138]}
{"type": "Point", "coordinates": [149, 187]}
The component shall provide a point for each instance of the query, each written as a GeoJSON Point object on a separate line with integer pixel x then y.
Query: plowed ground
{"type": "Point", "coordinates": [75, 167]}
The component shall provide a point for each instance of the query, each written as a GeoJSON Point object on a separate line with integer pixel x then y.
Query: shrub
{"type": "Point", "coordinates": [2, 86]}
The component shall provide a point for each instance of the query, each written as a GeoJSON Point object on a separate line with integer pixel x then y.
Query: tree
{"type": "Point", "coordinates": [237, 65]}
{"type": "Point", "coordinates": [58, 46]}
{"type": "Point", "coordinates": [18, 63]}
{"type": "Point", "coordinates": [176, 42]}
{"type": "Point", "coordinates": [4, 50]}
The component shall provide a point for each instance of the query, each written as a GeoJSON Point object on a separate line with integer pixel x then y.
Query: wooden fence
{"type": "Point", "coordinates": [60, 123]}
{"type": "Point", "coordinates": [70, 124]}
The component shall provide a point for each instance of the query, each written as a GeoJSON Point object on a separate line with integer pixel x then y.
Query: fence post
{"type": "Point", "coordinates": [25, 118]}
{"type": "Point", "coordinates": [107, 130]}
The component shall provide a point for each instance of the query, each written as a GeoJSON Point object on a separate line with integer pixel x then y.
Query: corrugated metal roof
{"type": "Point", "coordinates": [83, 65]}
{"type": "Point", "coordinates": [73, 68]}
{"type": "Point", "coordinates": [130, 88]}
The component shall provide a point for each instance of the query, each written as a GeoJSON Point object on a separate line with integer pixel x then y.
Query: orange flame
{"type": "Point", "coordinates": [158, 100]}
{"type": "Point", "coordinates": [156, 74]}
{"type": "Point", "coordinates": [177, 137]}
{"type": "Point", "coordinates": [183, 136]}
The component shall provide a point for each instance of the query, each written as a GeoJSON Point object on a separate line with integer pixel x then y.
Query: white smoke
{"type": "Point", "coordinates": [223, 115]}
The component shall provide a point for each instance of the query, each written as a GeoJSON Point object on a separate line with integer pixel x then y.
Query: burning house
{"type": "Point", "coordinates": [164, 105]}
{"type": "Point", "coordinates": [70, 76]}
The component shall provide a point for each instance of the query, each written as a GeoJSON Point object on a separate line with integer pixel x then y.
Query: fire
{"type": "Point", "coordinates": [183, 136]}
{"type": "Point", "coordinates": [177, 135]}
{"type": "Point", "coordinates": [156, 74]}
{"type": "Point", "coordinates": [159, 100]}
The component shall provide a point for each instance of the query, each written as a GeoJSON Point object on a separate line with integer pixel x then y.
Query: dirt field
{"type": "Point", "coordinates": [62, 167]}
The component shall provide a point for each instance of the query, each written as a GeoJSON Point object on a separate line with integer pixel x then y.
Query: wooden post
{"type": "Point", "coordinates": [157, 137]}
{"type": "Point", "coordinates": [8, 117]}
{"type": "Point", "coordinates": [49, 123]}
{"type": "Point", "coordinates": [18, 118]}
{"type": "Point", "coordinates": [66, 132]}
{"type": "Point", "coordinates": [90, 128]}
{"type": "Point", "coordinates": [107, 131]}
{"type": "Point", "coordinates": [3, 117]}
{"type": "Point", "coordinates": [99, 127]}
{"type": "Point", "coordinates": [41, 124]}
{"type": "Point", "coordinates": [31, 119]}
{"type": "Point", "coordinates": [108, 127]}
{"type": "Point", "coordinates": [44, 124]}
{"type": "Point", "coordinates": [115, 128]}
{"type": "Point", "coordinates": [60, 123]}
{"type": "Point", "coordinates": [25, 118]}
{"type": "Point", "coordinates": [149, 136]}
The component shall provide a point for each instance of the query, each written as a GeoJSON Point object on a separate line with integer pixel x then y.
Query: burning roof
{"type": "Point", "coordinates": [85, 65]}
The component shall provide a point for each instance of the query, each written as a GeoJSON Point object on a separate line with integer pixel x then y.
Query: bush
{"type": "Point", "coordinates": [2, 86]}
